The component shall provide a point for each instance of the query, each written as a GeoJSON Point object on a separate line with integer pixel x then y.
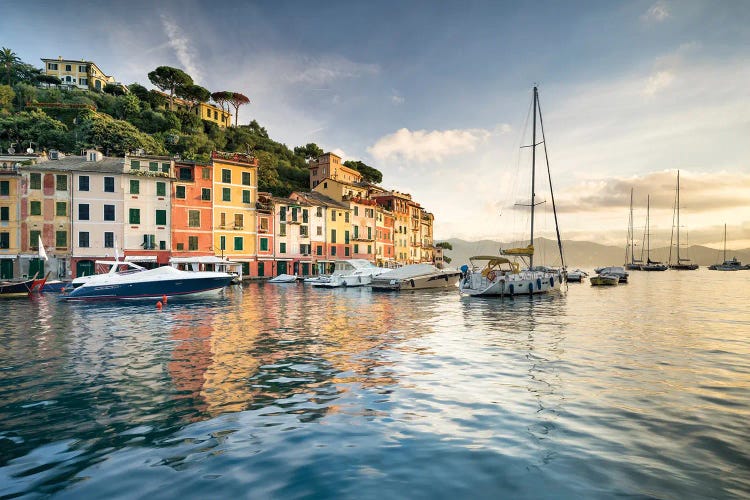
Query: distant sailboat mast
{"type": "Point", "coordinates": [533, 173]}
{"type": "Point", "coordinates": [678, 217]}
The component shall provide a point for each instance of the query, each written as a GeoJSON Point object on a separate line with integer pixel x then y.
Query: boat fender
{"type": "Point", "coordinates": [412, 283]}
{"type": "Point", "coordinates": [510, 288]}
{"type": "Point", "coordinates": [539, 283]}
{"type": "Point", "coordinates": [491, 276]}
{"type": "Point", "coordinates": [531, 288]}
{"type": "Point", "coordinates": [552, 282]}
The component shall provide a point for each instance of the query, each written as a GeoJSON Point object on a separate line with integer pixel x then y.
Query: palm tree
{"type": "Point", "coordinates": [8, 59]}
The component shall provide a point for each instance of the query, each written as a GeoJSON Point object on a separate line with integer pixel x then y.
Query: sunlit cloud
{"type": "Point", "coordinates": [326, 69]}
{"type": "Point", "coordinates": [658, 82]}
{"type": "Point", "coordinates": [657, 12]}
{"type": "Point", "coordinates": [397, 99]}
{"type": "Point", "coordinates": [424, 146]}
{"type": "Point", "coordinates": [182, 46]}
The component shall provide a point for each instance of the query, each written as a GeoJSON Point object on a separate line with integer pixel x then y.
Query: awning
{"type": "Point", "coordinates": [9, 257]}
{"type": "Point", "coordinates": [205, 259]}
{"type": "Point", "coordinates": [140, 258]}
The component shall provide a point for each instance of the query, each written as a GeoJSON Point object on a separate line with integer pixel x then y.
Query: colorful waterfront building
{"type": "Point", "coordinates": [399, 205]}
{"type": "Point", "coordinates": [363, 227]}
{"type": "Point", "coordinates": [96, 210]}
{"type": "Point", "coordinates": [426, 235]}
{"type": "Point", "coordinates": [384, 248]}
{"type": "Point", "coordinates": [235, 216]}
{"type": "Point", "coordinates": [266, 228]}
{"type": "Point", "coordinates": [10, 226]}
{"type": "Point", "coordinates": [322, 209]}
{"type": "Point", "coordinates": [292, 252]}
{"type": "Point", "coordinates": [45, 204]}
{"type": "Point", "coordinates": [192, 210]}
{"type": "Point", "coordinates": [329, 166]}
{"type": "Point", "coordinates": [147, 184]}
{"type": "Point", "coordinates": [81, 74]}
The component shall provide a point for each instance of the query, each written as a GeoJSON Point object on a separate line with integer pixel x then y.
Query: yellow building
{"type": "Point", "coordinates": [203, 110]}
{"type": "Point", "coordinates": [329, 166]}
{"type": "Point", "coordinates": [82, 74]}
{"type": "Point", "coordinates": [10, 244]}
{"type": "Point", "coordinates": [235, 194]}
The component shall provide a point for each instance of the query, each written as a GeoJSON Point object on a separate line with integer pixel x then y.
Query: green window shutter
{"type": "Point", "coordinates": [346, 237]}
{"type": "Point", "coordinates": [264, 244]}
{"type": "Point", "coordinates": [192, 243]}
{"type": "Point", "coordinates": [161, 189]}
{"type": "Point", "coordinates": [333, 236]}
{"type": "Point", "coordinates": [238, 242]}
{"type": "Point", "coordinates": [36, 208]}
{"type": "Point", "coordinates": [135, 165]}
{"type": "Point", "coordinates": [34, 239]}
{"type": "Point", "coordinates": [161, 217]}
{"type": "Point", "coordinates": [35, 181]}
{"type": "Point", "coordinates": [135, 186]}
{"type": "Point", "coordinates": [282, 247]}
{"type": "Point", "coordinates": [62, 182]}
{"type": "Point", "coordinates": [153, 166]}
{"type": "Point", "coordinates": [61, 239]}
{"type": "Point", "coordinates": [226, 176]}
{"type": "Point", "coordinates": [61, 208]}
{"type": "Point", "coordinates": [245, 196]}
{"type": "Point", "coordinates": [179, 192]}
{"type": "Point", "coordinates": [165, 167]}
{"type": "Point", "coordinates": [135, 216]}
{"type": "Point", "coordinates": [246, 179]}
{"type": "Point", "coordinates": [226, 194]}
{"type": "Point", "coordinates": [356, 248]}
{"type": "Point", "coordinates": [4, 188]}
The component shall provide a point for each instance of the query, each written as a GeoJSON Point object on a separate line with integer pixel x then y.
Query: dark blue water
{"type": "Point", "coordinates": [287, 391]}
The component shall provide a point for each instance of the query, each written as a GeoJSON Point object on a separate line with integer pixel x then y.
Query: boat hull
{"type": "Point", "coordinates": [525, 283]}
{"type": "Point", "coordinates": [149, 289]}
{"type": "Point", "coordinates": [684, 267]}
{"type": "Point", "coordinates": [9, 289]}
{"type": "Point", "coordinates": [443, 280]}
{"type": "Point", "coordinates": [604, 280]}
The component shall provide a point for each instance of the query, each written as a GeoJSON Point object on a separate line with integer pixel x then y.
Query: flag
{"type": "Point", "coordinates": [42, 253]}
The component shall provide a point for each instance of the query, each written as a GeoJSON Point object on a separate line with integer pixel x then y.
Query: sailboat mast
{"type": "Point", "coordinates": [725, 242]}
{"type": "Point", "coordinates": [630, 230]}
{"type": "Point", "coordinates": [533, 173]}
{"type": "Point", "coordinates": [678, 217]}
{"type": "Point", "coordinates": [648, 230]}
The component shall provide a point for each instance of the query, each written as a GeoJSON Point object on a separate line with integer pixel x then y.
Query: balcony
{"type": "Point", "coordinates": [262, 229]}
{"type": "Point", "coordinates": [237, 228]}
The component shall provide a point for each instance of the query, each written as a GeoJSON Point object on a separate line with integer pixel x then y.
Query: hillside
{"type": "Point", "coordinates": [582, 254]}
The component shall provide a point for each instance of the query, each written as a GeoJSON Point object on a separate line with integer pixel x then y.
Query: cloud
{"type": "Point", "coordinates": [424, 146]}
{"type": "Point", "coordinates": [658, 82]}
{"type": "Point", "coordinates": [323, 70]}
{"type": "Point", "coordinates": [656, 13]}
{"type": "Point", "coordinates": [699, 192]}
{"type": "Point", "coordinates": [397, 99]}
{"type": "Point", "coordinates": [182, 47]}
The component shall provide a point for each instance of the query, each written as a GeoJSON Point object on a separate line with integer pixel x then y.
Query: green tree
{"type": "Point", "coordinates": [8, 59]}
{"type": "Point", "coordinates": [309, 151]}
{"type": "Point", "coordinates": [24, 93]}
{"type": "Point", "coordinates": [35, 126]}
{"type": "Point", "coordinates": [6, 96]}
{"type": "Point", "coordinates": [139, 91]}
{"type": "Point", "coordinates": [116, 137]}
{"type": "Point", "coordinates": [127, 107]}
{"type": "Point", "coordinates": [369, 173]}
{"type": "Point", "coordinates": [445, 245]}
{"type": "Point", "coordinates": [48, 80]}
{"type": "Point", "coordinates": [236, 99]}
{"type": "Point", "coordinates": [221, 98]}
{"type": "Point", "coordinates": [113, 89]}
{"type": "Point", "coordinates": [170, 79]}
{"type": "Point", "coordinates": [193, 94]}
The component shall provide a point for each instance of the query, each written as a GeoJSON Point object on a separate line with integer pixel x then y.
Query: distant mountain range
{"type": "Point", "coordinates": [584, 254]}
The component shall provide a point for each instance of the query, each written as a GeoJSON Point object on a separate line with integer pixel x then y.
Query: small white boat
{"type": "Point", "coordinates": [619, 271]}
{"type": "Point", "coordinates": [416, 277]}
{"type": "Point", "coordinates": [351, 272]}
{"type": "Point", "coordinates": [316, 279]}
{"type": "Point", "coordinates": [577, 276]}
{"type": "Point", "coordinates": [284, 278]}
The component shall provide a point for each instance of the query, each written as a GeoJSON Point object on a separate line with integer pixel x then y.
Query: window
{"type": "Point", "coordinates": [226, 176]}
{"type": "Point", "coordinates": [61, 239]}
{"type": "Point", "coordinates": [179, 192]}
{"type": "Point", "coordinates": [161, 189]}
{"type": "Point", "coordinates": [180, 246]}
{"type": "Point", "coordinates": [294, 214]}
{"type": "Point", "coordinates": [4, 213]}
{"type": "Point", "coordinates": [356, 232]}
{"type": "Point", "coordinates": [282, 229]}
{"type": "Point", "coordinates": [81, 69]}
{"type": "Point", "coordinates": [346, 251]}
{"type": "Point", "coordinates": [4, 240]}
{"type": "Point", "coordinates": [319, 249]}
{"type": "Point", "coordinates": [369, 248]}
{"type": "Point", "coordinates": [83, 183]}
{"type": "Point", "coordinates": [303, 231]}
{"type": "Point", "coordinates": [194, 218]}
{"type": "Point", "coordinates": [61, 182]}
{"type": "Point", "coordinates": [109, 212]}
{"type": "Point", "coordinates": [61, 209]}
{"type": "Point", "coordinates": [161, 217]}
{"type": "Point", "coordinates": [282, 213]}
{"type": "Point", "coordinates": [162, 245]}
{"type": "Point", "coordinates": [346, 237]}
{"type": "Point", "coordinates": [356, 248]}
{"type": "Point", "coordinates": [84, 81]}
{"type": "Point", "coordinates": [305, 216]}
{"type": "Point", "coordinates": [333, 236]}
{"type": "Point", "coordinates": [4, 188]}
{"type": "Point", "coordinates": [369, 233]}
{"type": "Point", "coordinates": [165, 167]}
{"type": "Point", "coordinates": [153, 166]}
{"type": "Point", "coordinates": [246, 179]}
{"type": "Point", "coordinates": [216, 115]}
{"type": "Point", "coordinates": [109, 239]}
{"type": "Point", "coordinates": [319, 212]}
{"type": "Point", "coordinates": [282, 247]}
{"type": "Point", "coordinates": [83, 211]}
{"type": "Point", "coordinates": [245, 196]}
{"type": "Point", "coordinates": [356, 210]}
{"type": "Point", "coordinates": [238, 221]}
{"type": "Point", "coordinates": [186, 174]}
{"type": "Point", "coordinates": [52, 66]}
{"type": "Point", "coordinates": [135, 186]}
{"type": "Point", "coordinates": [206, 173]}
{"type": "Point", "coordinates": [68, 67]}
{"type": "Point", "coordinates": [36, 208]}
{"type": "Point", "coordinates": [264, 224]}
{"type": "Point", "coordinates": [346, 216]}
{"type": "Point", "coordinates": [222, 242]}
{"type": "Point", "coordinates": [222, 219]}
{"type": "Point", "coordinates": [34, 239]}
{"type": "Point", "coordinates": [206, 194]}
{"type": "Point", "coordinates": [319, 231]}
{"type": "Point", "coordinates": [264, 244]}
{"type": "Point", "coordinates": [109, 184]}
{"type": "Point", "coordinates": [226, 194]}
{"type": "Point", "coordinates": [192, 243]}
{"type": "Point", "coordinates": [35, 181]}
{"type": "Point", "coordinates": [238, 242]}
{"type": "Point", "coordinates": [135, 165]}
{"type": "Point", "coordinates": [135, 216]}
{"type": "Point", "coordinates": [333, 251]}
{"type": "Point", "coordinates": [83, 239]}
{"type": "Point", "coordinates": [333, 215]}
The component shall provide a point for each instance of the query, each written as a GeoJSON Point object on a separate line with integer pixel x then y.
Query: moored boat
{"type": "Point", "coordinates": [680, 264]}
{"type": "Point", "coordinates": [416, 277]}
{"type": "Point", "coordinates": [351, 272]}
{"type": "Point", "coordinates": [576, 276]}
{"type": "Point", "coordinates": [728, 265]}
{"type": "Point", "coordinates": [9, 289]}
{"type": "Point", "coordinates": [604, 280]}
{"type": "Point", "coordinates": [284, 278]}
{"type": "Point", "coordinates": [618, 271]}
{"type": "Point", "coordinates": [137, 283]}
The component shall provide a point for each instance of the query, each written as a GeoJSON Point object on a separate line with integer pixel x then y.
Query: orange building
{"type": "Point", "coordinates": [192, 210]}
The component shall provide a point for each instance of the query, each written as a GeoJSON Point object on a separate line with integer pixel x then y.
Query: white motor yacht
{"type": "Point", "coordinates": [416, 277]}
{"type": "Point", "coordinates": [351, 272]}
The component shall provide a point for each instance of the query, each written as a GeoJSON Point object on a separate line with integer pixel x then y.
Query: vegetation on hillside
{"type": "Point", "coordinates": [36, 111]}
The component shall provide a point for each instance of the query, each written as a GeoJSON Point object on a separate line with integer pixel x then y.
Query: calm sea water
{"type": "Point", "coordinates": [285, 391]}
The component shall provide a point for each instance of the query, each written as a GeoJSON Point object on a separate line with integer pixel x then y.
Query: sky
{"type": "Point", "coordinates": [437, 96]}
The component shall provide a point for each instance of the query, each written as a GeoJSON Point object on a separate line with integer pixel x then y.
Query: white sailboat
{"type": "Point", "coordinates": [503, 275]}
{"type": "Point", "coordinates": [650, 265]}
{"type": "Point", "coordinates": [631, 263]}
{"type": "Point", "coordinates": [680, 264]}
{"type": "Point", "coordinates": [727, 265]}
